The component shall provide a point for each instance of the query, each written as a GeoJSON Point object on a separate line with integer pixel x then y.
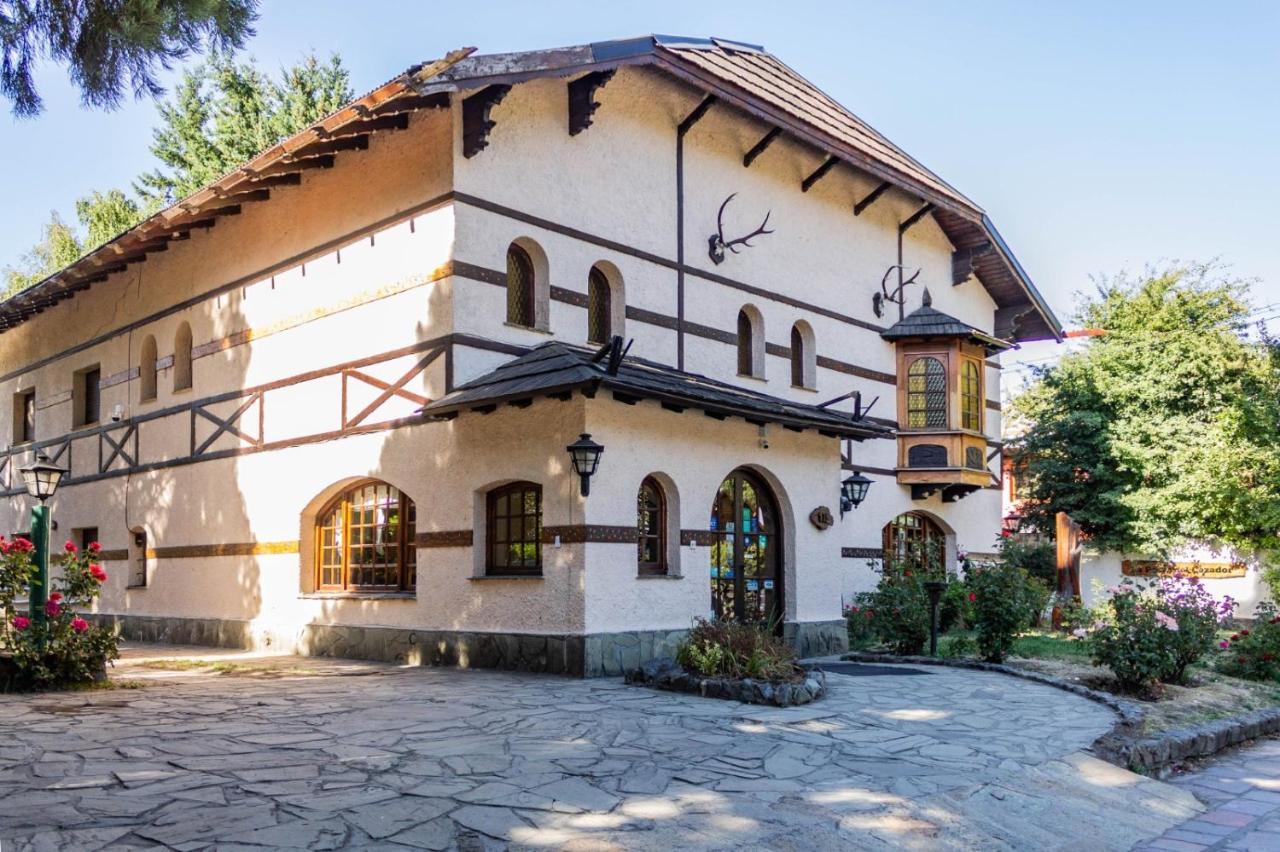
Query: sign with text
{"type": "Point", "coordinates": [1203, 570]}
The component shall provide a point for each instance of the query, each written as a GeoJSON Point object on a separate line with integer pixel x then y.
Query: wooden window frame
{"type": "Point", "coordinates": [925, 409]}
{"type": "Point", "coordinates": [659, 568]}
{"type": "Point", "coordinates": [522, 257]}
{"type": "Point", "coordinates": [971, 397]}
{"type": "Point", "coordinates": [928, 531]}
{"type": "Point", "coordinates": [797, 357]}
{"type": "Point", "coordinates": [406, 549]}
{"type": "Point", "coordinates": [81, 396]}
{"type": "Point", "coordinates": [746, 344]}
{"type": "Point", "coordinates": [490, 538]}
{"type": "Point", "coordinates": [599, 306]}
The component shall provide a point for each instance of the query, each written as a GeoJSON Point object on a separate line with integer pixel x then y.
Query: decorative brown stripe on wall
{"type": "Point", "coordinates": [444, 538]}
{"type": "Point", "coordinates": [113, 555]}
{"type": "Point", "coordinates": [861, 553]}
{"type": "Point", "coordinates": [589, 533]}
{"type": "Point", "coordinates": [205, 551]}
{"type": "Point", "coordinates": [702, 538]}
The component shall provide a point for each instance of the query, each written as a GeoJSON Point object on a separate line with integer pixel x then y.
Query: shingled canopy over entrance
{"type": "Point", "coordinates": [558, 370]}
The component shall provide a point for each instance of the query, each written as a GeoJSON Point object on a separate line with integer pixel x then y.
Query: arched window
{"type": "Point", "coordinates": [651, 527]}
{"type": "Point", "coordinates": [744, 343]}
{"type": "Point", "coordinates": [365, 540]}
{"type": "Point", "coordinates": [513, 540]}
{"type": "Point", "coordinates": [913, 542]}
{"type": "Point", "coordinates": [521, 305]}
{"type": "Point", "coordinates": [750, 343]}
{"type": "Point", "coordinates": [926, 394]}
{"type": "Point", "coordinates": [804, 366]}
{"type": "Point", "coordinates": [599, 307]}
{"type": "Point", "coordinates": [182, 358]}
{"type": "Point", "coordinates": [971, 397]}
{"type": "Point", "coordinates": [147, 369]}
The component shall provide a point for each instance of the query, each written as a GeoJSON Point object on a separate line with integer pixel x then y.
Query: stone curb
{"type": "Point", "coordinates": [666, 674]}
{"type": "Point", "coordinates": [1114, 746]}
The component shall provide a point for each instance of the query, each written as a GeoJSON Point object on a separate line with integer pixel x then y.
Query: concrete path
{"type": "Point", "coordinates": [323, 754]}
{"type": "Point", "coordinates": [1242, 790]}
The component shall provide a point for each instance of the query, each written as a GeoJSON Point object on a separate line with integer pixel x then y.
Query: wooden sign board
{"type": "Point", "coordinates": [1203, 570]}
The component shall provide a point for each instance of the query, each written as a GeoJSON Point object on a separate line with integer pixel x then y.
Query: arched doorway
{"type": "Point", "coordinates": [746, 555]}
{"type": "Point", "coordinates": [915, 542]}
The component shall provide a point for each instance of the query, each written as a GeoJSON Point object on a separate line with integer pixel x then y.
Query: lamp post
{"type": "Point", "coordinates": [41, 478]}
{"type": "Point", "coordinates": [585, 455]}
{"type": "Point", "coordinates": [852, 492]}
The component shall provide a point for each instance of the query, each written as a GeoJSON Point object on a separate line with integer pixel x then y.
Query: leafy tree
{"type": "Point", "coordinates": [1164, 429]}
{"type": "Point", "coordinates": [225, 113]}
{"type": "Point", "coordinates": [108, 45]}
{"type": "Point", "coordinates": [57, 248]}
{"type": "Point", "coordinates": [107, 215]}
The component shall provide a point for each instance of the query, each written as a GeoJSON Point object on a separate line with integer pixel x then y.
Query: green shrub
{"type": "Point", "coordinates": [1036, 595]}
{"type": "Point", "coordinates": [1038, 558]}
{"type": "Point", "coordinates": [1000, 607]}
{"type": "Point", "coordinates": [859, 620]}
{"type": "Point", "coordinates": [1196, 614]}
{"type": "Point", "coordinates": [957, 647]}
{"type": "Point", "coordinates": [66, 649]}
{"type": "Point", "coordinates": [900, 608]}
{"type": "Point", "coordinates": [733, 650]}
{"type": "Point", "coordinates": [1254, 652]}
{"type": "Point", "coordinates": [955, 610]}
{"type": "Point", "coordinates": [1136, 641]}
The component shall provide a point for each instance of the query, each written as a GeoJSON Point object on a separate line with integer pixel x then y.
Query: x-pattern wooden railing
{"type": "Point", "coordinates": [395, 388]}
{"type": "Point", "coordinates": [119, 448]}
{"type": "Point", "coordinates": [229, 425]}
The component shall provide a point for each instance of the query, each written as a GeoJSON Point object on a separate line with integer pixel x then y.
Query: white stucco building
{"type": "Point", "coordinates": [323, 404]}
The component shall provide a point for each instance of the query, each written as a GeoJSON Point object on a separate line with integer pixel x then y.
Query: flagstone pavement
{"type": "Point", "coordinates": [324, 754]}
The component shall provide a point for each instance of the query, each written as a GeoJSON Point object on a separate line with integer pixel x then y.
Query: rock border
{"type": "Point", "coordinates": [1124, 744]}
{"type": "Point", "coordinates": [665, 673]}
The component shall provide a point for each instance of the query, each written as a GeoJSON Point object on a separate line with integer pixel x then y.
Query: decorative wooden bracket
{"type": "Point", "coordinates": [818, 174]}
{"type": "Point", "coordinates": [476, 122]}
{"type": "Point", "coordinates": [871, 198]}
{"type": "Point", "coordinates": [582, 102]}
{"type": "Point", "coordinates": [962, 261]}
{"type": "Point", "coordinates": [915, 217]}
{"type": "Point", "coordinates": [759, 148]}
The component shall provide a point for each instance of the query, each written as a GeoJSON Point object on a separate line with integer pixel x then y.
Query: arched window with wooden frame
{"type": "Point", "coordinates": [513, 535]}
{"type": "Point", "coordinates": [521, 287]}
{"type": "Point", "coordinates": [970, 396]}
{"type": "Point", "coordinates": [599, 306]}
{"type": "Point", "coordinates": [913, 542]}
{"type": "Point", "coordinates": [750, 342]}
{"type": "Point", "coordinates": [804, 366]}
{"type": "Point", "coordinates": [651, 528]}
{"type": "Point", "coordinates": [147, 369]}
{"type": "Point", "coordinates": [182, 357]}
{"type": "Point", "coordinates": [365, 540]}
{"type": "Point", "coordinates": [926, 394]}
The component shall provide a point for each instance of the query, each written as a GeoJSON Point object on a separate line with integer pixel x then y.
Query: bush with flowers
{"type": "Point", "coordinates": [1253, 653]}
{"type": "Point", "coordinates": [1135, 640]}
{"type": "Point", "coordinates": [900, 607]}
{"type": "Point", "coordinates": [1002, 606]}
{"type": "Point", "coordinates": [1192, 617]}
{"type": "Point", "coordinates": [66, 649]}
{"type": "Point", "coordinates": [859, 618]}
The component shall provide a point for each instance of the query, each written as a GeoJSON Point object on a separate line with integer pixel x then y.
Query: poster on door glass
{"type": "Point", "coordinates": [753, 585]}
{"type": "Point", "coordinates": [768, 584]}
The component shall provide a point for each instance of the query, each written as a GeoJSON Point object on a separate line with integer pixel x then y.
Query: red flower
{"type": "Point", "coordinates": [973, 596]}
{"type": "Point", "coordinates": [21, 622]}
{"type": "Point", "coordinates": [95, 570]}
{"type": "Point", "coordinates": [52, 608]}
{"type": "Point", "coordinates": [55, 596]}
{"type": "Point", "coordinates": [70, 547]}
{"type": "Point", "coordinates": [1006, 533]}
{"type": "Point", "coordinates": [94, 547]}
{"type": "Point", "coordinates": [79, 625]}
{"type": "Point", "coordinates": [22, 545]}
{"type": "Point", "coordinates": [1244, 632]}
{"type": "Point", "coordinates": [870, 613]}
{"type": "Point", "coordinates": [1240, 660]}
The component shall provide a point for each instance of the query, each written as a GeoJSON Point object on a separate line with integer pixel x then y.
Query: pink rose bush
{"type": "Point", "coordinates": [65, 648]}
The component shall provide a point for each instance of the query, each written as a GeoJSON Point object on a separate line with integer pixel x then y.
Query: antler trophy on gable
{"type": "Point", "coordinates": [716, 243]}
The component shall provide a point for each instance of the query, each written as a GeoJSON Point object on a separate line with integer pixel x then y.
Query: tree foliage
{"type": "Point", "coordinates": [110, 46]}
{"type": "Point", "coordinates": [221, 114]}
{"type": "Point", "coordinates": [1164, 429]}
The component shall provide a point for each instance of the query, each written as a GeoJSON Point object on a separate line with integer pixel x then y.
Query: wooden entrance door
{"type": "Point", "coordinates": [746, 563]}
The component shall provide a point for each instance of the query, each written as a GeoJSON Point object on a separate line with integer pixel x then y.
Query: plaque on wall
{"type": "Point", "coordinates": [821, 518]}
{"type": "Point", "coordinates": [1203, 570]}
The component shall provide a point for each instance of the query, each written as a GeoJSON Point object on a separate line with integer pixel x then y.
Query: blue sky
{"type": "Point", "coordinates": [1099, 136]}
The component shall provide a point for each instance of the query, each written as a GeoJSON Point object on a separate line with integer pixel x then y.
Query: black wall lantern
{"type": "Point", "coordinates": [42, 478]}
{"type": "Point", "coordinates": [585, 454]}
{"type": "Point", "coordinates": [852, 492]}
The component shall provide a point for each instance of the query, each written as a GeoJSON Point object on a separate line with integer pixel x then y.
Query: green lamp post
{"type": "Point", "coordinates": [41, 478]}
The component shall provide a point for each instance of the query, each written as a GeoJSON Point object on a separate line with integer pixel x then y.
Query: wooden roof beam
{"type": "Point", "coordinates": [330, 146]}
{"type": "Point", "coordinates": [819, 173]}
{"type": "Point", "coordinates": [871, 198]}
{"type": "Point", "coordinates": [321, 162]}
{"type": "Point", "coordinates": [759, 148]}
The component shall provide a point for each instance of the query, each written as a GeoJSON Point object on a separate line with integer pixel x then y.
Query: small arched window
{"type": "Point", "coordinates": [971, 397]}
{"type": "Point", "coordinates": [913, 542]}
{"type": "Point", "coordinates": [513, 539]}
{"type": "Point", "coordinates": [521, 305]}
{"type": "Point", "coordinates": [651, 528]}
{"type": "Point", "coordinates": [750, 342]}
{"type": "Point", "coordinates": [599, 307]}
{"type": "Point", "coordinates": [147, 369]}
{"type": "Point", "coordinates": [926, 394]}
{"type": "Point", "coordinates": [803, 358]}
{"type": "Point", "coordinates": [182, 357]}
{"type": "Point", "coordinates": [365, 540]}
{"type": "Point", "coordinates": [745, 334]}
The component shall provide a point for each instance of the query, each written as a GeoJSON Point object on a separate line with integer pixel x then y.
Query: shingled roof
{"type": "Point", "coordinates": [927, 321]}
{"type": "Point", "coordinates": [557, 369]}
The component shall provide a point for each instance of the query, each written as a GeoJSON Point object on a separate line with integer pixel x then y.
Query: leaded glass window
{"type": "Point", "coordinates": [520, 287]}
{"type": "Point", "coordinates": [599, 307]}
{"type": "Point", "coordinates": [926, 394]}
{"type": "Point", "coordinates": [745, 344]}
{"type": "Point", "coordinates": [971, 397]}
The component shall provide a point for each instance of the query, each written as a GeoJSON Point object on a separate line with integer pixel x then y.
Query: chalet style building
{"type": "Point", "coordinates": [326, 403]}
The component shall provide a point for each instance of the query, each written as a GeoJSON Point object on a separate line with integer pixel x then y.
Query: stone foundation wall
{"type": "Point", "coordinates": [594, 655]}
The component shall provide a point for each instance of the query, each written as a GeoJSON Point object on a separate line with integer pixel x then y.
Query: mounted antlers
{"type": "Point", "coordinates": [716, 243]}
{"type": "Point", "coordinates": [898, 295]}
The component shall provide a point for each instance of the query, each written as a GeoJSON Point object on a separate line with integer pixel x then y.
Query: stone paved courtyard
{"type": "Point", "coordinates": [305, 753]}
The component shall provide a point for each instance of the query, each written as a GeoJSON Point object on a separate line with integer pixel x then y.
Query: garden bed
{"type": "Point", "coordinates": [809, 684]}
